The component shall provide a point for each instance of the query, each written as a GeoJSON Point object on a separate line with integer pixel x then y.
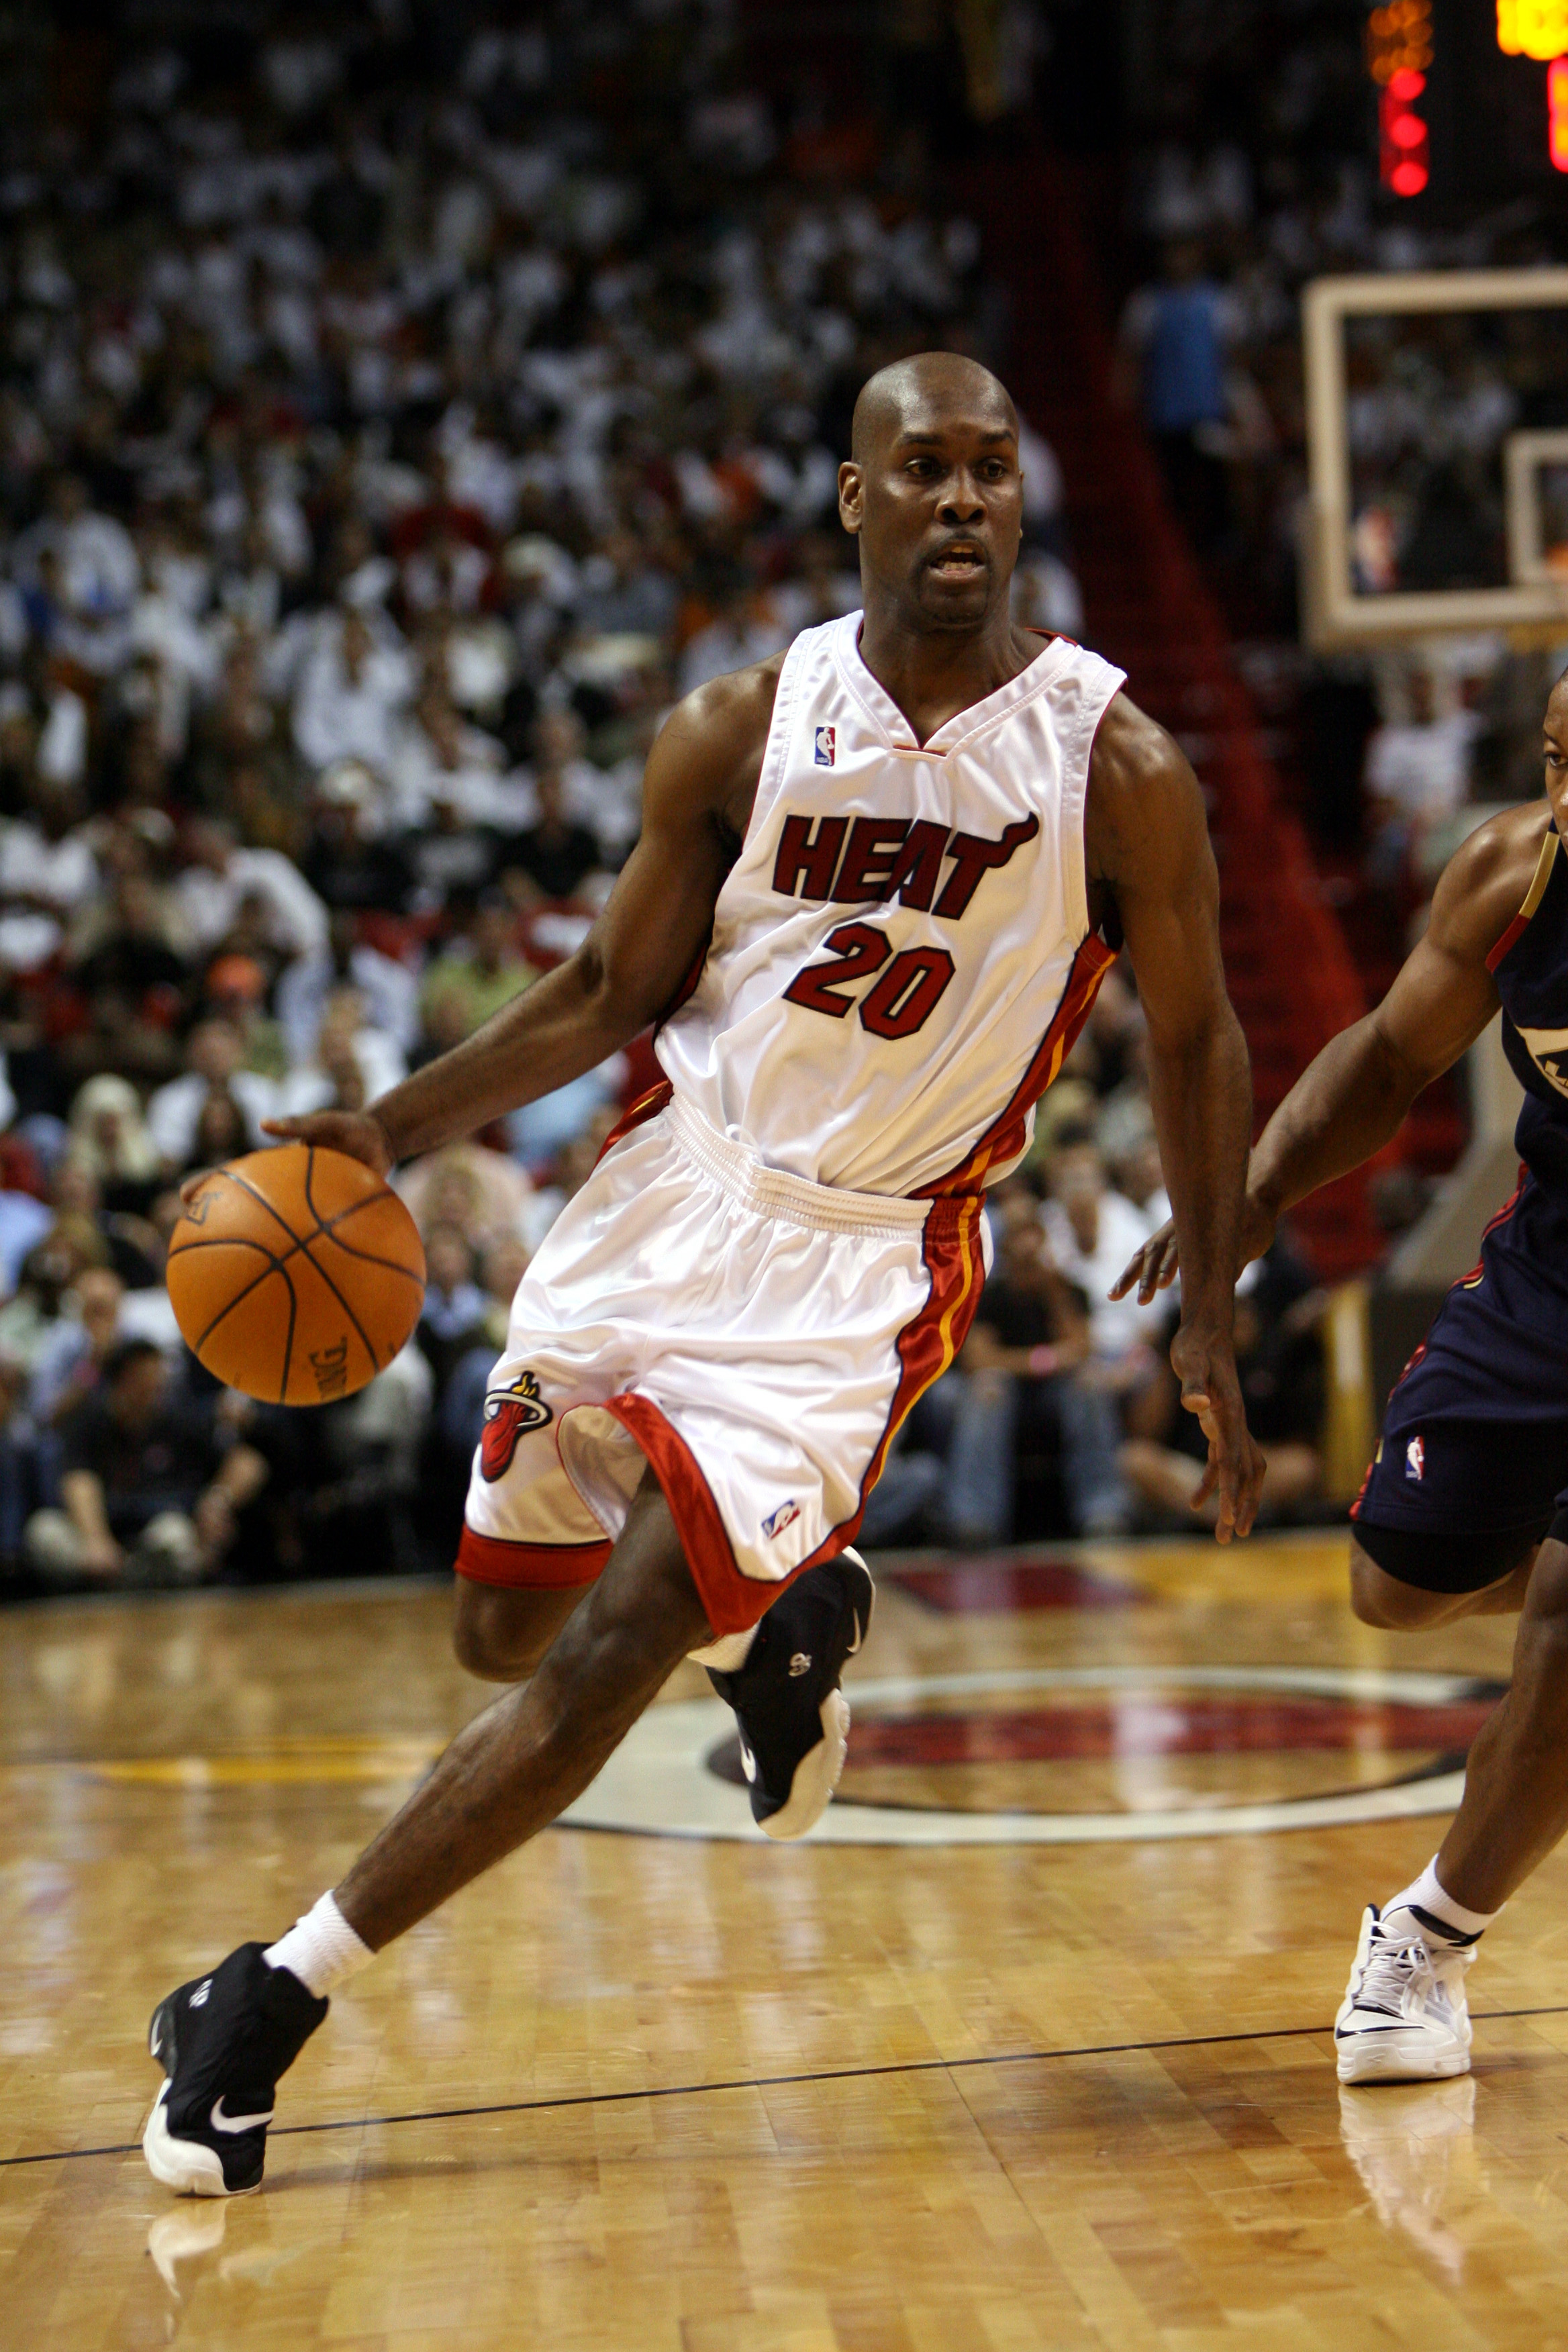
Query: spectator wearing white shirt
{"type": "Point", "coordinates": [213, 1067]}
{"type": "Point", "coordinates": [47, 871]}
{"type": "Point", "coordinates": [1093, 1231]}
{"type": "Point", "coordinates": [351, 692]}
{"type": "Point", "coordinates": [219, 875]}
{"type": "Point", "coordinates": [390, 990]}
{"type": "Point", "coordinates": [352, 1063]}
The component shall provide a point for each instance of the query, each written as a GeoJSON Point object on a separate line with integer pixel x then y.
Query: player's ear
{"type": "Point", "coordinates": [851, 495]}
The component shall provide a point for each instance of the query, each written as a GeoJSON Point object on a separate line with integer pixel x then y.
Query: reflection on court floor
{"type": "Point", "coordinates": [1061, 2076]}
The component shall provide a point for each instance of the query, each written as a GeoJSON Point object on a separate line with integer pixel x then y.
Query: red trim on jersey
{"type": "Point", "coordinates": [492, 1560]}
{"type": "Point", "coordinates": [733, 1602]}
{"type": "Point", "coordinates": [1533, 896]}
{"type": "Point", "coordinates": [926, 1346]}
{"type": "Point", "coordinates": [1514, 932]}
{"type": "Point", "coordinates": [646, 1106]}
{"type": "Point", "coordinates": [1005, 1138]}
{"type": "Point", "coordinates": [1464, 1282]}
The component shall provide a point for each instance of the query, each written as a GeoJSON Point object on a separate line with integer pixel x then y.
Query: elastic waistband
{"type": "Point", "coordinates": [769, 1193]}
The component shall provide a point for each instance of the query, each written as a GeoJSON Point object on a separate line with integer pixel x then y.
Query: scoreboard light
{"type": "Point", "coordinates": [1404, 158]}
{"type": "Point", "coordinates": [1399, 40]}
{"type": "Point", "coordinates": [1398, 52]}
{"type": "Point", "coordinates": [1533, 28]}
{"type": "Point", "coordinates": [1538, 29]}
{"type": "Point", "coordinates": [1557, 112]}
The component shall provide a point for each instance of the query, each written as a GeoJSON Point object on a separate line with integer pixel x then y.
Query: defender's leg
{"type": "Point", "coordinates": [1380, 1597]}
{"type": "Point", "coordinates": [1405, 2017]}
{"type": "Point", "coordinates": [1515, 1807]}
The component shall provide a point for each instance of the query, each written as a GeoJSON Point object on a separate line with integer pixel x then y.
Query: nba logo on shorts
{"type": "Point", "coordinates": [1415, 1458]}
{"type": "Point", "coordinates": [825, 740]}
{"type": "Point", "coordinates": [787, 1513]}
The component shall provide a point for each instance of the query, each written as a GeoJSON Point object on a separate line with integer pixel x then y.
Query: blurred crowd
{"type": "Point", "coordinates": [1255, 171]}
{"type": "Point", "coordinates": [382, 452]}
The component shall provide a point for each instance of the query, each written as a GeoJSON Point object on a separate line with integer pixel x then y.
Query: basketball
{"type": "Point", "coordinates": [295, 1274]}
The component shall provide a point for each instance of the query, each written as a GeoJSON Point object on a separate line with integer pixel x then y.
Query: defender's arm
{"type": "Point", "coordinates": [1147, 844]}
{"type": "Point", "coordinates": [1352, 1098]}
{"type": "Point", "coordinates": [698, 790]}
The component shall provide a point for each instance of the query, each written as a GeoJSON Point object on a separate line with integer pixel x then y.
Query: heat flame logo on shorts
{"type": "Point", "coordinates": [509, 1416]}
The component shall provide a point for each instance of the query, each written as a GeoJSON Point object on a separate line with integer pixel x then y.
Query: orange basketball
{"type": "Point", "coordinates": [295, 1274]}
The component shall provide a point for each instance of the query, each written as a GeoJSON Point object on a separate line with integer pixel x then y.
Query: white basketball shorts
{"type": "Point", "coordinates": [754, 1338]}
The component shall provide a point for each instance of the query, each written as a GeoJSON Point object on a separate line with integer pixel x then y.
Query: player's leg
{"type": "Point", "coordinates": [1515, 1807]}
{"type": "Point", "coordinates": [500, 1631]}
{"type": "Point", "coordinates": [1451, 1524]}
{"type": "Point", "coordinates": [1382, 1597]}
{"type": "Point", "coordinates": [225, 2040]}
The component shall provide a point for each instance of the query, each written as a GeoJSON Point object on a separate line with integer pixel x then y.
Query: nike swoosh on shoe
{"type": "Point", "coordinates": [220, 2122]}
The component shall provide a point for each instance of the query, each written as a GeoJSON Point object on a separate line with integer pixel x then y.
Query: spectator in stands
{"type": "Point", "coordinates": [1279, 1361]}
{"type": "Point", "coordinates": [1176, 331]}
{"type": "Point", "coordinates": [390, 991]}
{"type": "Point", "coordinates": [1021, 1374]}
{"type": "Point", "coordinates": [214, 1074]}
{"type": "Point", "coordinates": [147, 1495]}
{"type": "Point", "coordinates": [554, 858]}
{"type": "Point", "coordinates": [453, 1320]}
{"type": "Point", "coordinates": [219, 875]}
{"type": "Point", "coordinates": [70, 1361]}
{"type": "Point", "coordinates": [1092, 1231]}
{"type": "Point", "coordinates": [109, 1136]}
{"type": "Point", "coordinates": [480, 971]}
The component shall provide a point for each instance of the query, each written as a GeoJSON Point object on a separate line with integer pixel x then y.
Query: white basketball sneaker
{"type": "Point", "coordinates": [1404, 2019]}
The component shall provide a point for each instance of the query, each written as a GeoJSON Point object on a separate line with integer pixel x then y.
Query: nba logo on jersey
{"type": "Point", "coordinates": [787, 1513]}
{"type": "Point", "coordinates": [825, 743]}
{"type": "Point", "coordinates": [1415, 1458]}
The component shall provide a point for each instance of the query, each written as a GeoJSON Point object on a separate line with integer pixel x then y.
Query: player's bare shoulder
{"type": "Point", "coordinates": [1487, 881]}
{"type": "Point", "coordinates": [709, 754]}
{"type": "Point", "coordinates": [1141, 786]}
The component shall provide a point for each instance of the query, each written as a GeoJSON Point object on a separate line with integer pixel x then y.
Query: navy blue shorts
{"type": "Point", "coordinates": [1472, 1468]}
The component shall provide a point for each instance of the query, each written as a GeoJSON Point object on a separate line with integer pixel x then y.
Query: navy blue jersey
{"type": "Point", "coordinates": [1529, 964]}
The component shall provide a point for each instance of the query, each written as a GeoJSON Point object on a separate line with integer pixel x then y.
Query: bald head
{"type": "Point", "coordinates": [934, 496]}
{"type": "Point", "coordinates": [926, 392]}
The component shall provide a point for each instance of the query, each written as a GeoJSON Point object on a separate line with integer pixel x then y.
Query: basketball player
{"type": "Point", "coordinates": [1464, 1511]}
{"type": "Point", "coordinates": [879, 881]}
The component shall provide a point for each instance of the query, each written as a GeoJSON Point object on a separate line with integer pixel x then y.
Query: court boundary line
{"type": "Point", "coordinates": [770, 2082]}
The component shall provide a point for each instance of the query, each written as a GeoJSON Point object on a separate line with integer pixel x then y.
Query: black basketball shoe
{"type": "Point", "coordinates": [793, 1718]}
{"type": "Point", "coordinates": [223, 2040]}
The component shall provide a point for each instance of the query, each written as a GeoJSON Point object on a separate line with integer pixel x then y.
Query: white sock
{"type": "Point", "coordinates": [728, 1653]}
{"type": "Point", "coordinates": [1428, 1892]}
{"type": "Point", "coordinates": [321, 1949]}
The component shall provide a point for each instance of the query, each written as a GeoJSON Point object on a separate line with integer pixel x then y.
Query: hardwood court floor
{"type": "Point", "coordinates": [647, 2094]}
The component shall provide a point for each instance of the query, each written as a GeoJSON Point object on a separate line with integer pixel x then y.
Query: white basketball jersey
{"type": "Point", "coordinates": [901, 954]}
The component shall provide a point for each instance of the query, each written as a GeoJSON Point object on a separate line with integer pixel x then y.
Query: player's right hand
{"type": "Point", "coordinates": [1156, 1266]}
{"type": "Point", "coordinates": [357, 1133]}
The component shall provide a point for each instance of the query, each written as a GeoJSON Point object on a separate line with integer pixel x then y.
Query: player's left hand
{"type": "Point", "coordinates": [1206, 1371]}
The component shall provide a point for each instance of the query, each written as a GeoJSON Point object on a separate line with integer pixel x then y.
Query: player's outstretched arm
{"type": "Point", "coordinates": [1147, 845]}
{"type": "Point", "coordinates": [698, 790]}
{"type": "Point", "coordinates": [1351, 1101]}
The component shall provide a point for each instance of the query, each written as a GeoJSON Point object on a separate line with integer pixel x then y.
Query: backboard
{"type": "Point", "coordinates": [1437, 455]}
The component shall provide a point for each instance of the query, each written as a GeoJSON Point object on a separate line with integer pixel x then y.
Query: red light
{"type": "Point", "coordinates": [1404, 154]}
{"type": "Point", "coordinates": [1557, 112]}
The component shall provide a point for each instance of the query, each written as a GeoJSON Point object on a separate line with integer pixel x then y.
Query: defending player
{"type": "Point", "coordinates": [878, 885]}
{"type": "Point", "coordinates": [1465, 1508]}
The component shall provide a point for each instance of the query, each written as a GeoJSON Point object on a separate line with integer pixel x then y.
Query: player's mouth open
{"type": "Point", "coordinates": [958, 562]}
